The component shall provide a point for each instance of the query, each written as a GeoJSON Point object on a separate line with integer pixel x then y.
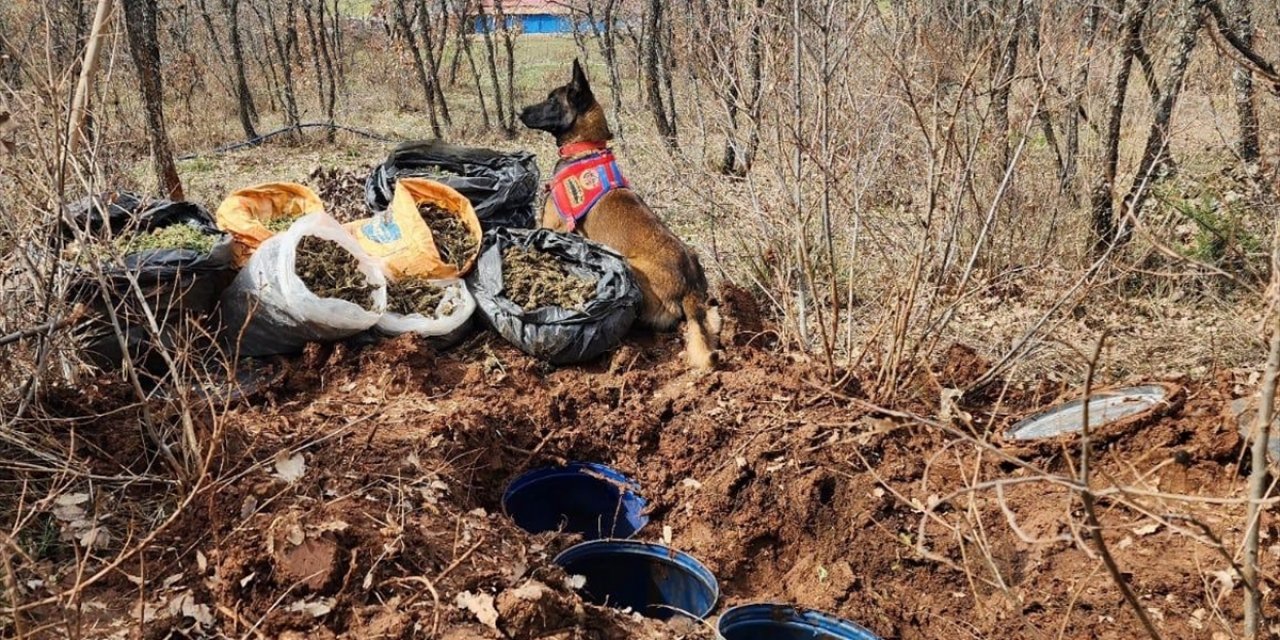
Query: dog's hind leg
{"type": "Point", "coordinates": [700, 353]}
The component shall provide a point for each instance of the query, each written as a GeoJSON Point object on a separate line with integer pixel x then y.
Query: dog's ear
{"type": "Point", "coordinates": [579, 88]}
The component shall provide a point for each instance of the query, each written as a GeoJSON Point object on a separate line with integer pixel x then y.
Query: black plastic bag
{"type": "Point", "coordinates": [556, 334]}
{"type": "Point", "coordinates": [177, 284]}
{"type": "Point", "coordinates": [502, 187]}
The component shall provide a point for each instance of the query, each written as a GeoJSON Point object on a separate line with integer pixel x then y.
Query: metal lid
{"type": "Point", "coordinates": [1105, 407]}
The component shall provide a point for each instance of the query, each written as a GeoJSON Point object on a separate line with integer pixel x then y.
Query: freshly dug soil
{"type": "Point", "coordinates": [330, 271]}
{"type": "Point", "coordinates": [280, 225]}
{"type": "Point", "coordinates": [415, 295]}
{"type": "Point", "coordinates": [452, 238]}
{"type": "Point", "coordinates": [534, 279]}
{"type": "Point", "coordinates": [342, 191]}
{"type": "Point", "coordinates": [175, 236]}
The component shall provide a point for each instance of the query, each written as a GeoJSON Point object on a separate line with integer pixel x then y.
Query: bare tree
{"type": "Point", "coordinates": [411, 41]}
{"type": "Point", "coordinates": [283, 46]}
{"type": "Point", "coordinates": [654, 71]}
{"type": "Point", "coordinates": [1075, 106]}
{"type": "Point", "coordinates": [140, 18]}
{"type": "Point", "coordinates": [488, 25]}
{"type": "Point", "coordinates": [1004, 63]}
{"type": "Point", "coordinates": [248, 112]}
{"type": "Point", "coordinates": [508, 29]}
{"type": "Point", "coordinates": [1102, 201]}
{"type": "Point", "coordinates": [1155, 156]}
{"type": "Point", "coordinates": [433, 59]}
{"type": "Point", "coordinates": [1242, 81]}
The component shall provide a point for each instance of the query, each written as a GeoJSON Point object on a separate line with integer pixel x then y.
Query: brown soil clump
{"type": "Point", "coordinates": [534, 279]}
{"type": "Point", "coordinates": [330, 271]}
{"type": "Point", "coordinates": [452, 237]}
{"type": "Point", "coordinates": [415, 295]}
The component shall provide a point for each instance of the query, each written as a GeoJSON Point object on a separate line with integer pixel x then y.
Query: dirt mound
{"type": "Point", "coordinates": [533, 279]}
{"type": "Point", "coordinates": [362, 499]}
{"type": "Point", "coordinates": [452, 237]}
{"type": "Point", "coordinates": [330, 271]}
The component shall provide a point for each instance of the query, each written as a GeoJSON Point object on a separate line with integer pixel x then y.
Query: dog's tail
{"type": "Point", "coordinates": [700, 341]}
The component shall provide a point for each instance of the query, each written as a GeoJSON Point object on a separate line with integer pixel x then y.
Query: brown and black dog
{"type": "Point", "coordinates": [666, 269]}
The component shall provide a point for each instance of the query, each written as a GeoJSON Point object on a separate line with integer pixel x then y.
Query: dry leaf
{"type": "Point", "coordinates": [315, 609]}
{"type": "Point", "coordinates": [290, 468]}
{"type": "Point", "coordinates": [666, 534]}
{"type": "Point", "coordinates": [249, 506]}
{"type": "Point", "coordinates": [691, 483]}
{"type": "Point", "coordinates": [1148, 529]}
{"type": "Point", "coordinates": [530, 591]}
{"type": "Point", "coordinates": [479, 604]}
{"type": "Point", "coordinates": [201, 562]}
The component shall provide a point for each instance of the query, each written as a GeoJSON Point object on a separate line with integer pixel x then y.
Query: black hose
{"type": "Point", "coordinates": [297, 127]}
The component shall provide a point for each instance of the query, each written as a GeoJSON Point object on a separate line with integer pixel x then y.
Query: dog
{"type": "Point", "coordinates": [589, 195]}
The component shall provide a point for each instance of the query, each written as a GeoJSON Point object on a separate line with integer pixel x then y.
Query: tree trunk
{"type": "Point", "coordinates": [329, 65]}
{"type": "Point", "coordinates": [433, 65]}
{"type": "Point", "coordinates": [282, 45]}
{"type": "Point", "coordinates": [339, 43]}
{"type": "Point", "coordinates": [80, 101]}
{"type": "Point", "coordinates": [509, 45]}
{"type": "Point", "coordinates": [1102, 204]}
{"type": "Point", "coordinates": [1033, 17]}
{"type": "Point", "coordinates": [248, 112]}
{"type": "Point", "coordinates": [140, 18]}
{"type": "Point", "coordinates": [1156, 153]}
{"type": "Point", "coordinates": [1247, 145]}
{"type": "Point", "coordinates": [653, 73]}
{"type": "Point", "coordinates": [1006, 64]}
{"type": "Point", "coordinates": [465, 42]}
{"type": "Point", "coordinates": [755, 58]}
{"type": "Point", "coordinates": [214, 39]}
{"type": "Point", "coordinates": [268, 65]}
{"type": "Point", "coordinates": [315, 51]}
{"type": "Point", "coordinates": [491, 56]}
{"type": "Point", "coordinates": [406, 32]}
{"type": "Point", "coordinates": [1075, 108]}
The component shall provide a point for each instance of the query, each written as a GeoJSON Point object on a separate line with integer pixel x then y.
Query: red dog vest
{"type": "Point", "coordinates": [579, 184]}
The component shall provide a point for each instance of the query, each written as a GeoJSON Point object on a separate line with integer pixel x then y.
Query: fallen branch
{"type": "Point", "coordinates": [49, 327]}
{"type": "Point", "coordinates": [1091, 513]}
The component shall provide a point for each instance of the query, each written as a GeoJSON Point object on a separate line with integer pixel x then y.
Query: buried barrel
{"type": "Point", "coordinates": [784, 622]}
{"type": "Point", "coordinates": [651, 579]}
{"type": "Point", "coordinates": [590, 499]}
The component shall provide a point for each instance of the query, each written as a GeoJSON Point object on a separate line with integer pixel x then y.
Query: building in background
{"type": "Point", "coordinates": [529, 16]}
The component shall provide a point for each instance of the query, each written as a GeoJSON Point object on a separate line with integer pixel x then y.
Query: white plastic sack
{"type": "Point", "coordinates": [267, 310]}
{"type": "Point", "coordinates": [457, 306]}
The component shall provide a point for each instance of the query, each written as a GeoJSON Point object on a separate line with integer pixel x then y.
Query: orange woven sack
{"type": "Point", "coordinates": [402, 238]}
{"type": "Point", "coordinates": [244, 213]}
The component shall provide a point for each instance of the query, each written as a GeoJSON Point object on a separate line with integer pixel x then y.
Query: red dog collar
{"type": "Point", "coordinates": [576, 148]}
{"type": "Point", "coordinates": [580, 184]}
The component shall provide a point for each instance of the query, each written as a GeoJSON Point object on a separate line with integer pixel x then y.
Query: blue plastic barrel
{"type": "Point", "coordinates": [651, 579]}
{"type": "Point", "coordinates": [587, 498]}
{"type": "Point", "coordinates": [785, 622]}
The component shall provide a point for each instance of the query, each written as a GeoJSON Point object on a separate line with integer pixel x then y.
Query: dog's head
{"type": "Point", "coordinates": [564, 106]}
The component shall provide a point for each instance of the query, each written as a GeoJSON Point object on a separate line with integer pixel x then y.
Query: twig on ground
{"type": "Point", "coordinates": [1087, 497]}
